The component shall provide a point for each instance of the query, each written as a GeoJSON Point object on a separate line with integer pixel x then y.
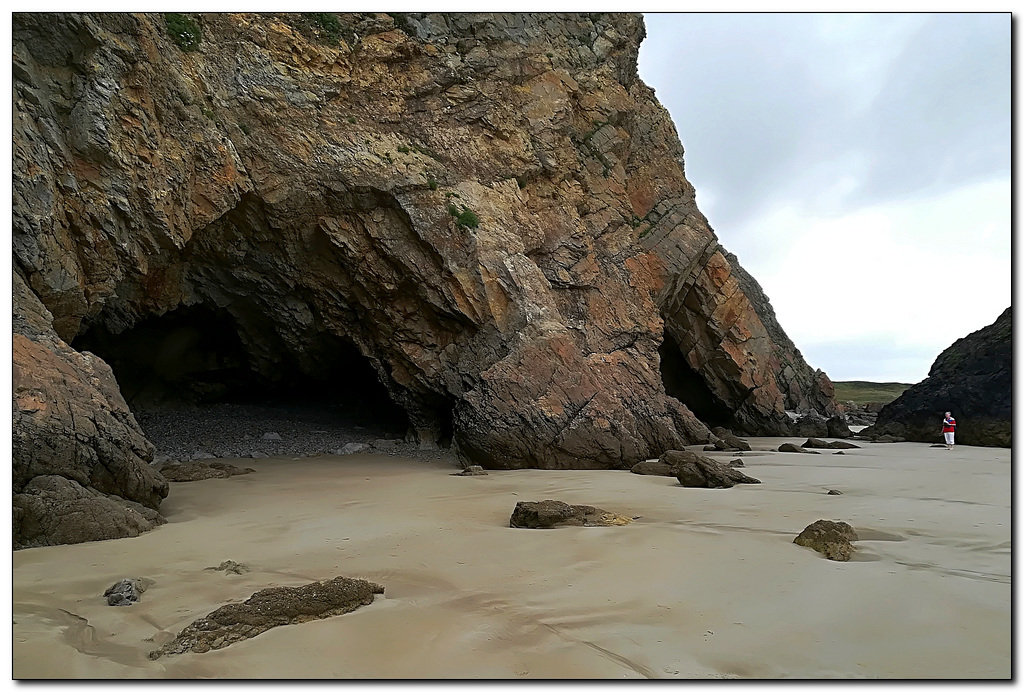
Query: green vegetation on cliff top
{"type": "Point", "coordinates": [869, 392]}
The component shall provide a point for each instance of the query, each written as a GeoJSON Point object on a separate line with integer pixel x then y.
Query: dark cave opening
{"type": "Point", "coordinates": [193, 356]}
{"type": "Point", "coordinates": [683, 383]}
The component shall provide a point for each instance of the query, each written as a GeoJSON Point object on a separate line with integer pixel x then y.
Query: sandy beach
{"type": "Point", "coordinates": [704, 584]}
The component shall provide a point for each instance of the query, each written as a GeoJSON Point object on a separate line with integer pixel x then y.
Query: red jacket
{"type": "Point", "coordinates": [949, 424]}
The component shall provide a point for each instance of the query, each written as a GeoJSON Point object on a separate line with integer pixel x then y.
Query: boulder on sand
{"type": "Point", "coordinates": [830, 538]}
{"type": "Point", "coordinates": [127, 591]}
{"type": "Point", "coordinates": [549, 514]}
{"type": "Point", "coordinates": [654, 467]}
{"type": "Point", "coordinates": [815, 443]}
{"type": "Point", "coordinates": [728, 441]}
{"type": "Point", "coordinates": [53, 510]}
{"type": "Point", "coordinates": [837, 427]}
{"type": "Point", "coordinates": [472, 470]}
{"type": "Point", "coordinates": [790, 447]}
{"type": "Point", "coordinates": [696, 471]}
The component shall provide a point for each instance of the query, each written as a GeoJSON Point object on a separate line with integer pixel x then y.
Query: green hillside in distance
{"type": "Point", "coordinates": [868, 392]}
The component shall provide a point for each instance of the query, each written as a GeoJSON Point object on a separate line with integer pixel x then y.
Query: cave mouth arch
{"type": "Point", "coordinates": [682, 382]}
{"type": "Point", "coordinates": [193, 357]}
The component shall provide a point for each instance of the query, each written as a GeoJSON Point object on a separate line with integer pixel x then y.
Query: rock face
{"type": "Point", "coordinates": [830, 538]}
{"type": "Point", "coordinates": [80, 462]}
{"type": "Point", "coordinates": [273, 607]}
{"type": "Point", "coordinates": [54, 510]}
{"type": "Point", "coordinates": [973, 379]}
{"type": "Point", "coordinates": [550, 514]}
{"type": "Point", "coordinates": [488, 212]}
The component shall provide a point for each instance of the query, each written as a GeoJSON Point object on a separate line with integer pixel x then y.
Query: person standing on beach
{"type": "Point", "coordinates": [948, 428]}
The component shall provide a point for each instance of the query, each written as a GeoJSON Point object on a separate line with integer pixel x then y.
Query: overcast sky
{"type": "Point", "coordinates": [859, 167]}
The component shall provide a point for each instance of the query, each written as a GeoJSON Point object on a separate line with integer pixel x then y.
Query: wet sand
{"type": "Point", "coordinates": [706, 584]}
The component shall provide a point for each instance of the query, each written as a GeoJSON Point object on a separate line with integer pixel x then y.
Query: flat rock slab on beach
{"type": "Point", "coordinates": [278, 605]}
{"type": "Point", "coordinates": [199, 471]}
{"type": "Point", "coordinates": [471, 471]}
{"type": "Point", "coordinates": [231, 567]}
{"type": "Point", "coordinates": [790, 447]}
{"type": "Point", "coordinates": [815, 443]}
{"type": "Point", "coordinates": [549, 514]}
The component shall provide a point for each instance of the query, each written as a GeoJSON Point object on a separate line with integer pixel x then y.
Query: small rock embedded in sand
{"type": "Point", "coordinates": [471, 471]}
{"type": "Point", "coordinates": [833, 491]}
{"type": "Point", "coordinates": [695, 471]}
{"type": "Point", "coordinates": [790, 447]}
{"type": "Point", "coordinates": [127, 591]}
{"type": "Point", "coordinates": [736, 463]}
{"type": "Point", "coordinates": [198, 471]}
{"type": "Point", "coordinates": [353, 448]}
{"type": "Point", "coordinates": [549, 514]}
{"type": "Point", "coordinates": [830, 538]}
{"type": "Point", "coordinates": [278, 605]}
{"type": "Point", "coordinates": [232, 567]}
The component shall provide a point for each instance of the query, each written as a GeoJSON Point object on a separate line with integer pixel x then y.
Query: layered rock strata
{"type": "Point", "coordinates": [973, 379]}
{"type": "Point", "coordinates": [489, 209]}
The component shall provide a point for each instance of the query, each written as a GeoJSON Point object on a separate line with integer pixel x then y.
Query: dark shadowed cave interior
{"type": "Point", "coordinates": [683, 383]}
{"type": "Point", "coordinates": [193, 356]}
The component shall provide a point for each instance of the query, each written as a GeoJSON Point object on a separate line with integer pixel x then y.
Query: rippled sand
{"type": "Point", "coordinates": [707, 583]}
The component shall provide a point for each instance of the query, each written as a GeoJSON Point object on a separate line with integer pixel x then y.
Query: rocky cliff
{"type": "Point", "coordinates": [490, 210]}
{"type": "Point", "coordinates": [973, 379]}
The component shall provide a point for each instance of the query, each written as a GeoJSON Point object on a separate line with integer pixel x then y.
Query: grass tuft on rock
{"type": "Point", "coordinates": [183, 30]}
{"type": "Point", "coordinates": [465, 218]}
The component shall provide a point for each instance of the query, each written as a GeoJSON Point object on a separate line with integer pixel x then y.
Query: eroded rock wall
{"type": "Point", "coordinates": [490, 207]}
{"type": "Point", "coordinates": [973, 379]}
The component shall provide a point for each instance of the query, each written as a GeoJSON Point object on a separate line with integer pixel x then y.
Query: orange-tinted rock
{"type": "Point", "coordinates": [305, 191]}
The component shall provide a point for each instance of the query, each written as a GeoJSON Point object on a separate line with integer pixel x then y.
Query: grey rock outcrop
{"type": "Point", "coordinates": [972, 378]}
{"type": "Point", "coordinates": [54, 510]}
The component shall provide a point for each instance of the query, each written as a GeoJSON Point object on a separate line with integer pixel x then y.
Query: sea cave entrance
{"type": "Point", "coordinates": [683, 383]}
{"type": "Point", "coordinates": [194, 356]}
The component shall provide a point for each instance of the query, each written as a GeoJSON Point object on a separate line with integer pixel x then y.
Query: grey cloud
{"type": "Point", "coordinates": [757, 121]}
